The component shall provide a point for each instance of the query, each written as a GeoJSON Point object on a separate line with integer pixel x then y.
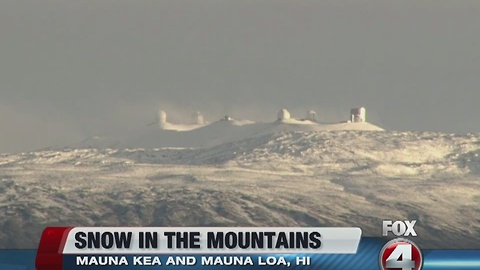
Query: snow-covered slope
{"type": "Point", "coordinates": [284, 178]}
{"type": "Point", "coordinates": [216, 133]}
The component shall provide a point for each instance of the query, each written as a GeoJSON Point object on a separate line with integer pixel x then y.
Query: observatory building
{"type": "Point", "coordinates": [283, 114]}
{"type": "Point", "coordinates": [161, 118]}
{"type": "Point", "coordinates": [311, 115]}
{"type": "Point", "coordinates": [197, 119]}
{"type": "Point", "coordinates": [358, 115]}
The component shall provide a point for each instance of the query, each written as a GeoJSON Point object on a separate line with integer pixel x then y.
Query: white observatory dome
{"type": "Point", "coordinates": [161, 118]}
{"type": "Point", "coordinates": [283, 114]}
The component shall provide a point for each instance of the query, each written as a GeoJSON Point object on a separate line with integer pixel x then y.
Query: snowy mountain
{"type": "Point", "coordinates": [216, 133]}
{"type": "Point", "coordinates": [263, 177]}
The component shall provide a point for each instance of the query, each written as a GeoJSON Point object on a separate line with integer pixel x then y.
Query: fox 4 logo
{"type": "Point", "coordinates": [399, 228]}
{"type": "Point", "coordinates": [400, 254]}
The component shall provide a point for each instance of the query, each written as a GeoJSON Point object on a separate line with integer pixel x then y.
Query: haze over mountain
{"type": "Point", "coordinates": [75, 69]}
{"type": "Point", "coordinates": [166, 134]}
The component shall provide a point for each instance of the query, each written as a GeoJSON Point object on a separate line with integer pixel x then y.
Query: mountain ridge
{"type": "Point", "coordinates": [285, 178]}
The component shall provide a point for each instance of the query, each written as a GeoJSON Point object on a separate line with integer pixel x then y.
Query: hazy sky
{"type": "Point", "coordinates": [70, 69]}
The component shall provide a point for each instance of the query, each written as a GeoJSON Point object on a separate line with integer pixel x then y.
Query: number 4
{"type": "Point", "coordinates": [405, 263]}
